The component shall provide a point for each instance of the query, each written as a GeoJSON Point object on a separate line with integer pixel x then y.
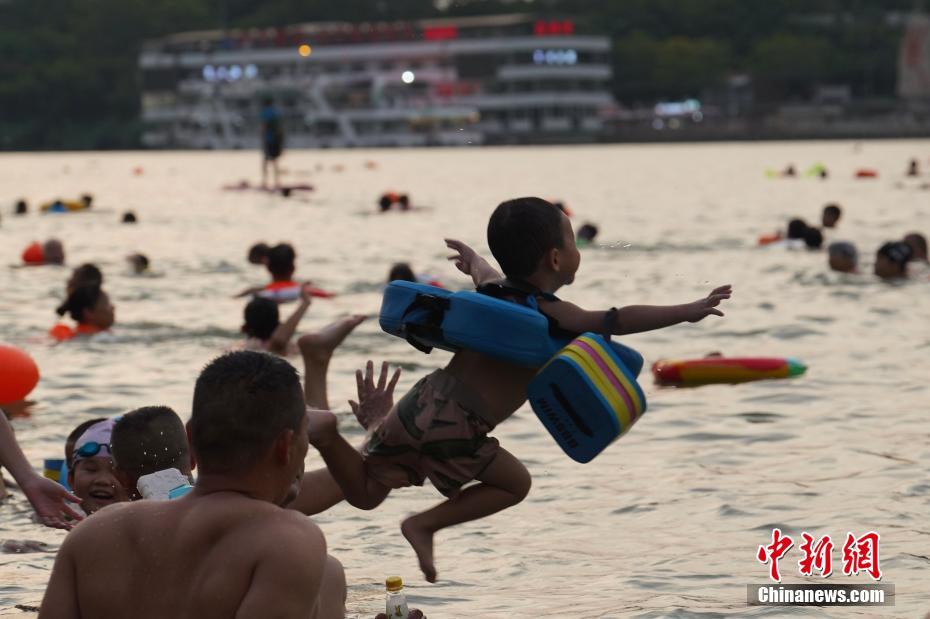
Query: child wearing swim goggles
{"type": "Point", "coordinates": [91, 469]}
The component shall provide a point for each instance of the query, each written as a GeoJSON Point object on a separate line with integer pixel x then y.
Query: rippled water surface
{"type": "Point", "coordinates": [666, 522]}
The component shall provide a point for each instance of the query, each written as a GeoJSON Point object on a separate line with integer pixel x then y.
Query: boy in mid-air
{"type": "Point", "coordinates": [439, 429]}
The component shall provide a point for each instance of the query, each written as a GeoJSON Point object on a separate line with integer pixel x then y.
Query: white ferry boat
{"type": "Point", "coordinates": [498, 79]}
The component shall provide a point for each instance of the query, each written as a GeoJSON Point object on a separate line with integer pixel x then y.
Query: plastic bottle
{"type": "Point", "coordinates": [396, 605]}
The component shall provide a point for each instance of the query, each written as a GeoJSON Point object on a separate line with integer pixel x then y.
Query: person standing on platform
{"type": "Point", "coordinates": [272, 140]}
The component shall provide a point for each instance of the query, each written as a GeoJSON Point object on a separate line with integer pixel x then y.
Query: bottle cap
{"type": "Point", "coordinates": [394, 583]}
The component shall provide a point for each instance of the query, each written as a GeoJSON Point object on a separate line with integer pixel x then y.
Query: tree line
{"type": "Point", "coordinates": [69, 76]}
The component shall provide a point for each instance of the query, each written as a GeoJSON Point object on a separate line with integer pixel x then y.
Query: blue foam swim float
{"type": "Point", "coordinates": [586, 393]}
{"type": "Point", "coordinates": [586, 396]}
{"type": "Point", "coordinates": [429, 317]}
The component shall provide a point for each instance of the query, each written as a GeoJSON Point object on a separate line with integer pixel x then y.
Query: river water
{"type": "Point", "coordinates": [667, 521]}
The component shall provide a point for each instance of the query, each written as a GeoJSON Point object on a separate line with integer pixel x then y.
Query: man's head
{"type": "Point", "coordinates": [918, 244]}
{"type": "Point", "coordinates": [85, 275]}
{"type": "Point", "coordinates": [796, 228]}
{"type": "Point", "coordinates": [249, 421]}
{"type": "Point", "coordinates": [831, 215]}
{"type": "Point", "coordinates": [261, 318]}
{"type": "Point", "coordinates": [148, 440]}
{"type": "Point", "coordinates": [843, 257]}
{"type": "Point", "coordinates": [21, 208]}
{"type": "Point", "coordinates": [129, 218]}
{"type": "Point", "coordinates": [53, 251]}
{"type": "Point", "coordinates": [281, 261]}
{"type": "Point", "coordinates": [401, 271]}
{"type": "Point", "coordinates": [91, 469]}
{"type": "Point", "coordinates": [530, 237]}
{"type": "Point", "coordinates": [813, 238]}
{"type": "Point", "coordinates": [258, 253]}
{"type": "Point", "coordinates": [891, 260]}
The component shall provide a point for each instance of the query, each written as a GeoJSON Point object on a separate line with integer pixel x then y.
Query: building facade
{"type": "Point", "coordinates": [499, 79]}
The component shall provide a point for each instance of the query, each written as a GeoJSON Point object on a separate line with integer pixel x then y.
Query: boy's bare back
{"type": "Point", "coordinates": [217, 555]}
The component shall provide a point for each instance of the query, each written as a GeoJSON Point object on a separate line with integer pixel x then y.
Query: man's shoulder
{"type": "Point", "coordinates": [287, 526]}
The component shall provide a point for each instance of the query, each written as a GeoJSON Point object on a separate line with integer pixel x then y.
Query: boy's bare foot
{"type": "Point", "coordinates": [422, 541]}
{"type": "Point", "coordinates": [319, 346]}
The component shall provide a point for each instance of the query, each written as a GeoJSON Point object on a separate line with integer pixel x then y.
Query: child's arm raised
{"type": "Point", "coordinates": [285, 331]}
{"type": "Point", "coordinates": [470, 263]}
{"type": "Point", "coordinates": [635, 318]}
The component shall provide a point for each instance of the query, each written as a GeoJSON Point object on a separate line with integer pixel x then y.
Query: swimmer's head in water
{"type": "Point", "coordinates": [89, 305]}
{"type": "Point", "coordinates": [258, 253]}
{"type": "Point", "coordinates": [796, 228]}
{"type": "Point", "coordinates": [21, 208]}
{"type": "Point", "coordinates": [139, 263]}
{"type": "Point", "coordinates": [385, 202]}
{"type": "Point", "coordinates": [129, 217]}
{"type": "Point", "coordinates": [53, 251]}
{"type": "Point", "coordinates": [88, 274]}
{"type": "Point", "coordinates": [281, 261]}
{"type": "Point", "coordinates": [261, 318]}
{"type": "Point", "coordinates": [891, 260]}
{"type": "Point", "coordinates": [148, 440]}
{"type": "Point", "coordinates": [529, 234]}
{"type": "Point", "coordinates": [831, 215]}
{"type": "Point", "coordinates": [401, 271]}
{"type": "Point", "coordinates": [843, 257]}
{"type": "Point", "coordinates": [249, 412]}
{"type": "Point", "coordinates": [91, 475]}
{"type": "Point", "coordinates": [918, 244]}
{"type": "Point", "coordinates": [87, 200]}
{"type": "Point", "coordinates": [813, 238]}
{"type": "Point", "coordinates": [587, 232]}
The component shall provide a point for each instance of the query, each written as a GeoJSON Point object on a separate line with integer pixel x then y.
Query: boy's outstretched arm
{"type": "Point", "coordinates": [285, 331]}
{"type": "Point", "coordinates": [635, 318]}
{"type": "Point", "coordinates": [470, 263]}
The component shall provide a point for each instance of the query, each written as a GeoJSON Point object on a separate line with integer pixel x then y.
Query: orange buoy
{"type": "Point", "coordinates": [34, 254]}
{"type": "Point", "coordinates": [20, 374]}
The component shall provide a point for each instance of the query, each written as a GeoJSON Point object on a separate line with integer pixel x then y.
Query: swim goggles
{"type": "Point", "coordinates": [91, 449]}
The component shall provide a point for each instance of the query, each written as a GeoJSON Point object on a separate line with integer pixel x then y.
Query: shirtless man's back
{"type": "Point", "coordinates": [221, 555]}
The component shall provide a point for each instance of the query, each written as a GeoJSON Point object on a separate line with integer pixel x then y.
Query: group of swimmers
{"type": "Point", "coordinates": [233, 548]}
{"type": "Point", "coordinates": [895, 259]}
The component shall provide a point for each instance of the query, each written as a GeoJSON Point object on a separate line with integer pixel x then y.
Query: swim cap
{"type": "Point", "coordinates": [896, 251]}
{"type": "Point", "coordinates": [843, 249]}
{"type": "Point", "coordinates": [94, 439]}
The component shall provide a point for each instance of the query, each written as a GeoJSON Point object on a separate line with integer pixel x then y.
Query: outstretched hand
{"type": "Point", "coordinates": [49, 500]}
{"type": "Point", "coordinates": [464, 256]}
{"type": "Point", "coordinates": [702, 308]}
{"type": "Point", "coordinates": [374, 401]}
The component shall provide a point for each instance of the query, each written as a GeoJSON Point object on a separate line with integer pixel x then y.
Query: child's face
{"type": "Point", "coordinates": [103, 314]}
{"type": "Point", "coordinates": [569, 256]}
{"type": "Point", "coordinates": [94, 481]}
